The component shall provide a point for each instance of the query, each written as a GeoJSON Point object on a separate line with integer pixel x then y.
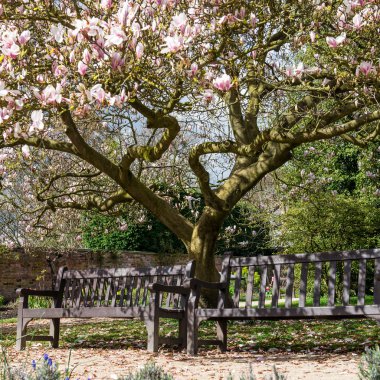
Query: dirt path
{"type": "Point", "coordinates": [209, 365]}
{"type": "Point", "coordinates": [109, 364]}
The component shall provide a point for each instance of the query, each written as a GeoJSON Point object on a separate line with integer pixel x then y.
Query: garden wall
{"type": "Point", "coordinates": [33, 268]}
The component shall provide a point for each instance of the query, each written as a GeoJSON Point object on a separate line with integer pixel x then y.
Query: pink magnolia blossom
{"type": "Point", "coordinates": [299, 70]}
{"type": "Point", "coordinates": [208, 95]}
{"type": "Point", "coordinates": [37, 121]}
{"type": "Point", "coordinates": [5, 114]}
{"type": "Point", "coordinates": [3, 90]}
{"type": "Point", "coordinates": [193, 70]}
{"type": "Point", "coordinates": [357, 21]}
{"type": "Point", "coordinates": [98, 93]}
{"type": "Point", "coordinates": [335, 42]}
{"type": "Point", "coordinates": [222, 83]}
{"type": "Point", "coordinates": [82, 68]}
{"type": "Point", "coordinates": [24, 37]}
{"type": "Point", "coordinates": [86, 56]}
{"type": "Point", "coordinates": [253, 20]}
{"type": "Point", "coordinates": [117, 37]}
{"type": "Point", "coordinates": [25, 151]}
{"type": "Point", "coordinates": [117, 61]}
{"type": "Point", "coordinates": [179, 22]}
{"type": "Point", "coordinates": [139, 50]}
{"type": "Point", "coordinates": [106, 4]}
{"type": "Point", "coordinates": [365, 68]}
{"type": "Point", "coordinates": [11, 51]}
{"type": "Point", "coordinates": [59, 70]}
{"type": "Point", "coordinates": [57, 31]}
{"type": "Point", "coordinates": [173, 44]}
{"type": "Point", "coordinates": [51, 95]}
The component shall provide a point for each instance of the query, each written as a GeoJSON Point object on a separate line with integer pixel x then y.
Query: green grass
{"type": "Point", "coordinates": [309, 301]}
{"type": "Point", "coordinates": [259, 336]}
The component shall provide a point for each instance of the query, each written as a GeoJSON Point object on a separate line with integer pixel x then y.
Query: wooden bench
{"type": "Point", "coordinates": [321, 285]}
{"type": "Point", "coordinates": [143, 293]}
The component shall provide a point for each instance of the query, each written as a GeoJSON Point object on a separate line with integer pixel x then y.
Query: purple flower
{"type": "Point", "coordinates": [34, 364]}
{"type": "Point", "coordinates": [46, 356]}
{"type": "Point", "coordinates": [50, 362]}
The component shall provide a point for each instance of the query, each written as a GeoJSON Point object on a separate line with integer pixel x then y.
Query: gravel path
{"type": "Point", "coordinates": [109, 364]}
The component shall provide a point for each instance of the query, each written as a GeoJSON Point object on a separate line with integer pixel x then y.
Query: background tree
{"type": "Point", "coordinates": [227, 75]}
{"type": "Point", "coordinates": [330, 198]}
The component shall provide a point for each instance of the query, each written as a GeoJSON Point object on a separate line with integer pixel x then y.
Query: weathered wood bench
{"type": "Point", "coordinates": [144, 293]}
{"type": "Point", "coordinates": [321, 285]}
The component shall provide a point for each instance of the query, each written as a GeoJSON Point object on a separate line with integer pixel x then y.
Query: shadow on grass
{"type": "Point", "coordinates": [317, 336]}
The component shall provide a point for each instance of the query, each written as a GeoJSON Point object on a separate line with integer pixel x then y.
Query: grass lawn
{"type": "Point", "coordinates": [260, 336]}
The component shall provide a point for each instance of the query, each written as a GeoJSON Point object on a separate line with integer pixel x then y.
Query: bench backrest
{"type": "Point", "coordinates": [304, 280]}
{"type": "Point", "coordinates": [123, 287]}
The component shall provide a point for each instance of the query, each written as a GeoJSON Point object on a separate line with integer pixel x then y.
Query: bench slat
{"type": "Point", "coordinates": [101, 291]}
{"type": "Point", "coordinates": [346, 282]}
{"type": "Point", "coordinates": [263, 284]}
{"type": "Point", "coordinates": [108, 291]}
{"type": "Point", "coordinates": [130, 285]}
{"type": "Point", "coordinates": [236, 296]}
{"type": "Point", "coordinates": [294, 312]}
{"type": "Point", "coordinates": [123, 283]}
{"type": "Point", "coordinates": [289, 286]}
{"type": "Point", "coordinates": [376, 287]}
{"type": "Point", "coordinates": [331, 285]}
{"type": "Point", "coordinates": [306, 257]}
{"type": "Point", "coordinates": [303, 285]}
{"type": "Point", "coordinates": [86, 291]}
{"type": "Point", "coordinates": [250, 284]}
{"type": "Point", "coordinates": [137, 290]}
{"type": "Point", "coordinates": [361, 281]}
{"type": "Point", "coordinates": [147, 281]}
{"type": "Point", "coordinates": [276, 285]}
{"type": "Point", "coordinates": [121, 272]}
{"type": "Point", "coordinates": [169, 296]}
{"type": "Point", "coordinates": [93, 292]}
{"type": "Point", "coordinates": [114, 292]}
{"type": "Point", "coordinates": [317, 283]}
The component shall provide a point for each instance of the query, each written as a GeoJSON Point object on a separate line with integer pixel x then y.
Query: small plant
{"type": "Point", "coordinates": [39, 302]}
{"type": "Point", "coordinates": [43, 369]}
{"type": "Point", "coordinates": [149, 372]}
{"type": "Point", "coordinates": [369, 368]}
{"type": "Point", "coordinates": [2, 300]}
{"type": "Point", "coordinates": [276, 375]}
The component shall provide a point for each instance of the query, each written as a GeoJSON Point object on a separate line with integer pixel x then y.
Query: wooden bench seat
{"type": "Point", "coordinates": [141, 293]}
{"type": "Point", "coordinates": [321, 285]}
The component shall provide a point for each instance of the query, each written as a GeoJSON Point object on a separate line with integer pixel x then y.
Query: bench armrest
{"type": "Point", "coordinates": [195, 282]}
{"type": "Point", "coordinates": [156, 287]}
{"type": "Point", "coordinates": [34, 292]}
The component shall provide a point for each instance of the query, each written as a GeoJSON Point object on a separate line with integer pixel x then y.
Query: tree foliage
{"type": "Point", "coordinates": [331, 204]}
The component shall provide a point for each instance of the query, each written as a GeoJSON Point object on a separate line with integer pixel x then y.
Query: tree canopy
{"type": "Point", "coordinates": [94, 95]}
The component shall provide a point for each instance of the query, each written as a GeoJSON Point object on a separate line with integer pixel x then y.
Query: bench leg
{"type": "Point", "coordinates": [183, 332]}
{"type": "Point", "coordinates": [192, 336]}
{"type": "Point", "coordinates": [221, 331]}
{"type": "Point", "coordinates": [21, 333]}
{"type": "Point", "coordinates": [54, 331]}
{"type": "Point", "coordinates": [152, 327]}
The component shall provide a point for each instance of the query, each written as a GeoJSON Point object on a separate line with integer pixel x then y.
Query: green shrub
{"type": "Point", "coordinates": [250, 376]}
{"type": "Point", "coordinates": [144, 234]}
{"type": "Point", "coordinates": [369, 368]}
{"type": "Point", "coordinates": [149, 372]}
{"type": "Point", "coordinates": [2, 300]}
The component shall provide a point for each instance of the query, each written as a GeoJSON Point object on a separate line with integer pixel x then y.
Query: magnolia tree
{"type": "Point", "coordinates": [246, 80]}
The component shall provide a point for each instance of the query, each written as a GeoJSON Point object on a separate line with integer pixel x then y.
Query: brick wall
{"type": "Point", "coordinates": [24, 268]}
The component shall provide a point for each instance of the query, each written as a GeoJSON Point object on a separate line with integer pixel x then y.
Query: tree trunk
{"type": "Point", "coordinates": [202, 249]}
